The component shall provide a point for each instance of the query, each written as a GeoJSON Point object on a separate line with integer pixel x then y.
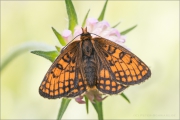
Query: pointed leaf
{"type": "Point", "coordinates": [116, 25]}
{"type": "Point", "coordinates": [87, 104]}
{"type": "Point", "coordinates": [98, 107]}
{"type": "Point", "coordinates": [85, 18]}
{"type": "Point", "coordinates": [58, 48]}
{"type": "Point", "coordinates": [64, 104]}
{"type": "Point", "coordinates": [101, 16]}
{"type": "Point", "coordinates": [125, 97]}
{"type": "Point", "coordinates": [128, 30]}
{"type": "Point", "coordinates": [71, 15]}
{"type": "Point", "coordinates": [50, 55]}
{"type": "Point", "coordinates": [60, 38]}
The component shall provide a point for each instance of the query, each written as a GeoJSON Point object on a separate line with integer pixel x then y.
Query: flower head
{"type": "Point", "coordinates": [98, 28]}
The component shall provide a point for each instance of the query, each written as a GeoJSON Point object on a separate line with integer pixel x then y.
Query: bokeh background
{"type": "Point", "coordinates": [27, 24]}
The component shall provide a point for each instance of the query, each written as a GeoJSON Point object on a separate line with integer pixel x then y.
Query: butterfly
{"type": "Point", "coordinates": [92, 63]}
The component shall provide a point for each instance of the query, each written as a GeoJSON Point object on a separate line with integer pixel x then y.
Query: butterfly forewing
{"type": "Point", "coordinates": [125, 67]}
{"type": "Point", "coordinates": [61, 78]}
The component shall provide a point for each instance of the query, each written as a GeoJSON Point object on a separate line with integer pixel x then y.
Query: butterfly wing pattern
{"type": "Point", "coordinates": [106, 84]}
{"type": "Point", "coordinates": [63, 78]}
{"type": "Point", "coordinates": [92, 63]}
{"type": "Point", "coordinates": [125, 67]}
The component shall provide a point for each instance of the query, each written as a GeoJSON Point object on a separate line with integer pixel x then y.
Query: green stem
{"type": "Point", "coordinates": [63, 107]}
{"type": "Point", "coordinates": [100, 113]}
{"type": "Point", "coordinates": [87, 104]}
{"type": "Point", "coordinates": [98, 107]}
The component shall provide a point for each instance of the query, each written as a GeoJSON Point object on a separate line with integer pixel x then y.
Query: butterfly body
{"type": "Point", "coordinates": [89, 62]}
{"type": "Point", "coordinates": [92, 64]}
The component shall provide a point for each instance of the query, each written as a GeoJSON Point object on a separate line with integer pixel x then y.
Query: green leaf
{"type": "Point", "coordinates": [116, 25]}
{"type": "Point", "coordinates": [87, 104]}
{"type": "Point", "coordinates": [125, 97]}
{"type": "Point", "coordinates": [101, 16]}
{"type": "Point", "coordinates": [71, 15]}
{"type": "Point", "coordinates": [50, 55]}
{"type": "Point", "coordinates": [58, 48]}
{"type": "Point", "coordinates": [128, 30]}
{"type": "Point", "coordinates": [64, 104]}
{"type": "Point", "coordinates": [60, 38]}
{"type": "Point", "coordinates": [85, 18]}
{"type": "Point", "coordinates": [98, 107]}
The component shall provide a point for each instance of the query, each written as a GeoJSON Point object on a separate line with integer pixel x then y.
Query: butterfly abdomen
{"type": "Point", "coordinates": [89, 63]}
{"type": "Point", "coordinates": [90, 73]}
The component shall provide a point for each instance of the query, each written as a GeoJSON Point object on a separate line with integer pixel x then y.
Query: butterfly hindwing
{"type": "Point", "coordinates": [106, 84]}
{"type": "Point", "coordinates": [62, 76]}
{"type": "Point", "coordinates": [125, 67]}
{"type": "Point", "coordinates": [80, 88]}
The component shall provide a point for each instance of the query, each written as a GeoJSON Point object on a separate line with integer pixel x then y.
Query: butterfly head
{"type": "Point", "coordinates": [85, 35]}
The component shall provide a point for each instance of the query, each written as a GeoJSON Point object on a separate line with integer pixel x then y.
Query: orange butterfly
{"type": "Point", "coordinates": [92, 63]}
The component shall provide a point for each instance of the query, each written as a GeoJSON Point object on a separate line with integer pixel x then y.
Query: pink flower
{"type": "Point", "coordinates": [100, 28]}
{"type": "Point", "coordinates": [67, 35]}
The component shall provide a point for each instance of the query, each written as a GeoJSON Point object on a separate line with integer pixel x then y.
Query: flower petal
{"type": "Point", "coordinates": [67, 35]}
{"type": "Point", "coordinates": [103, 24]}
{"type": "Point", "coordinates": [100, 27]}
{"type": "Point", "coordinates": [77, 31]}
{"type": "Point", "coordinates": [90, 23]}
{"type": "Point", "coordinates": [79, 100]}
{"type": "Point", "coordinates": [115, 32]}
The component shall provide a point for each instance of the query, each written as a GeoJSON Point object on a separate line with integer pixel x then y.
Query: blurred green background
{"type": "Point", "coordinates": [155, 41]}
